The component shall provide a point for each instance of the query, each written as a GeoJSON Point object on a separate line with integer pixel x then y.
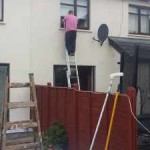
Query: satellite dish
{"type": "Point", "coordinates": [102, 33]}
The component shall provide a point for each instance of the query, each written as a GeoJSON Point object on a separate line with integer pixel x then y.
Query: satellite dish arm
{"type": "Point", "coordinates": [101, 43]}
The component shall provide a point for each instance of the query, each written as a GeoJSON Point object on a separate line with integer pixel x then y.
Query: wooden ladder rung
{"type": "Point", "coordinates": [13, 105]}
{"type": "Point", "coordinates": [23, 146]}
{"type": "Point", "coordinates": [19, 85]}
{"type": "Point", "coordinates": [21, 124]}
{"type": "Point", "coordinates": [20, 141]}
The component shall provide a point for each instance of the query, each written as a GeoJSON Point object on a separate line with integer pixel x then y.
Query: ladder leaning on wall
{"type": "Point", "coordinates": [72, 71]}
{"type": "Point", "coordinates": [26, 139]}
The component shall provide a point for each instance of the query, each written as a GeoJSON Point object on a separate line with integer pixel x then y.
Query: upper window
{"type": "Point", "coordinates": [1, 10]}
{"type": "Point", "coordinates": [81, 10]}
{"type": "Point", "coordinates": [139, 20]}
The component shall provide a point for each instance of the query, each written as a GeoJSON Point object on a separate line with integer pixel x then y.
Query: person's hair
{"type": "Point", "coordinates": [70, 12]}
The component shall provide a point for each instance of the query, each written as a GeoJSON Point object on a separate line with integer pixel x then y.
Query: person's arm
{"type": "Point", "coordinates": [64, 22]}
{"type": "Point", "coordinates": [64, 19]}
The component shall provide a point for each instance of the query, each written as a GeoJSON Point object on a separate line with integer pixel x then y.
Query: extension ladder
{"type": "Point", "coordinates": [22, 142]}
{"type": "Point", "coordinates": [72, 71]}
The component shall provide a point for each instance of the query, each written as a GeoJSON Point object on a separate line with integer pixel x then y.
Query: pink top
{"type": "Point", "coordinates": [71, 22]}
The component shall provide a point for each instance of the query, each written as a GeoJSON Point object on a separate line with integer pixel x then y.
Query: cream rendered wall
{"type": "Point", "coordinates": [115, 14]}
{"type": "Point", "coordinates": [14, 46]}
{"type": "Point", "coordinates": [48, 39]}
{"type": "Point", "coordinates": [32, 41]}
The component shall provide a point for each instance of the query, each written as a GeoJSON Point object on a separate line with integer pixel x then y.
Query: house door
{"type": "Point", "coordinates": [3, 72]}
{"type": "Point", "coordinates": [143, 83]}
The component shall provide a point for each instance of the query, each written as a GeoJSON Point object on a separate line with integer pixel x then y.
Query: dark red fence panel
{"type": "Point", "coordinates": [83, 120]}
{"type": "Point", "coordinates": [71, 118]}
{"type": "Point", "coordinates": [45, 107]}
{"type": "Point", "coordinates": [79, 112]}
{"type": "Point", "coordinates": [39, 98]}
{"type": "Point", "coordinates": [121, 131]}
{"type": "Point", "coordinates": [132, 97]}
{"type": "Point", "coordinates": [61, 105]}
{"type": "Point", "coordinates": [53, 104]}
{"type": "Point", "coordinates": [97, 100]}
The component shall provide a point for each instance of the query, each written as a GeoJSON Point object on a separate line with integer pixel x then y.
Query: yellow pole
{"type": "Point", "coordinates": [111, 121]}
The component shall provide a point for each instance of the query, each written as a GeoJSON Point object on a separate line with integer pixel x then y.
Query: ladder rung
{"type": "Point", "coordinates": [20, 140]}
{"type": "Point", "coordinates": [13, 105]}
{"type": "Point", "coordinates": [73, 77]}
{"type": "Point", "coordinates": [23, 146]}
{"type": "Point", "coordinates": [73, 69]}
{"type": "Point", "coordinates": [72, 62]}
{"type": "Point", "coordinates": [19, 85]}
{"type": "Point", "coordinates": [21, 124]}
{"type": "Point", "coordinates": [72, 55]}
{"type": "Point", "coordinates": [73, 73]}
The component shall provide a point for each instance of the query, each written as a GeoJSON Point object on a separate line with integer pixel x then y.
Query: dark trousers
{"type": "Point", "coordinates": [70, 40]}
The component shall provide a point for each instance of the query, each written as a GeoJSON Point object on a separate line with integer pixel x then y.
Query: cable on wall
{"type": "Point", "coordinates": [129, 100]}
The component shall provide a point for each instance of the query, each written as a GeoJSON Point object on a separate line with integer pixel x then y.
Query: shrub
{"type": "Point", "coordinates": [56, 135]}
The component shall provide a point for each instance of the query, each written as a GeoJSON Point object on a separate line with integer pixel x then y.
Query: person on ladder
{"type": "Point", "coordinates": [70, 21]}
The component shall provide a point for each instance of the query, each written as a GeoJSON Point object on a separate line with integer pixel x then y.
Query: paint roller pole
{"type": "Point", "coordinates": [112, 76]}
{"type": "Point", "coordinates": [111, 120]}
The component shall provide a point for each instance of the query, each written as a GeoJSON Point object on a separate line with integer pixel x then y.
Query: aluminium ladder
{"type": "Point", "coordinates": [22, 142]}
{"type": "Point", "coordinates": [72, 71]}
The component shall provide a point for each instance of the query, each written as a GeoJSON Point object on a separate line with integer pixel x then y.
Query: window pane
{"type": "Point", "coordinates": [1, 5]}
{"type": "Point", "coordinates": [63, 12]}
{"type": "Point", "coordinates": [133, 10]}
{"type": "Point", "coordinates": [82, 2]}
{"type": "Point", "coordinates": [144, 12]}
{"type": "Point", "coordinates": [82, 16]}
{"type": "Point", "coordinates": [60, 76]}
{"type": "Point", "coordinates": [64, 9]}
{"type": "Point", "coordinates": [145, 24]}
{"type": "Point", "coordinates": [133, 23]}
{"type": "Point", "coordinates": [67, 1]}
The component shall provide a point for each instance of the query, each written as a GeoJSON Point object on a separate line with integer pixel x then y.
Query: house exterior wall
{"type": "Point", "coordinates": [31, 40]}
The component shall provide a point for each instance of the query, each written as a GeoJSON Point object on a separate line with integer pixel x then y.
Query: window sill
{"type": "Point", "coordinates": [139, 36]}
{"type": "Point", "coordinates": [138, 3]}
{"type": "Point", "coordinates": [79, 30]}
{"type": "Point", "coordinates": [2, 23]}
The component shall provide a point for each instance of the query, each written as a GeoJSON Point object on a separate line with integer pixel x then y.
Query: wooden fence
{"type": "Point", "coordinates": [79, 112]}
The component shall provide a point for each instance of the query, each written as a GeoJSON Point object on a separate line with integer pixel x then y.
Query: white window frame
{"type": "Point", "coordinates": [139, 19]}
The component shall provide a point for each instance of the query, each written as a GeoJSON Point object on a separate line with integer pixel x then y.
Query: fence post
{"type": "Point", "coordinates": [49, 84]}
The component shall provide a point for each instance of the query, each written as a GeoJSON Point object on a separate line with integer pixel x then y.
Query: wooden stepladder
{"type": "Point", "coordinates": [24, 140]}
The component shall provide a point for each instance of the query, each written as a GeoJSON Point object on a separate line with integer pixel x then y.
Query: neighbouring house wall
{"type": "Point", "coordinates": [31, 41]}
